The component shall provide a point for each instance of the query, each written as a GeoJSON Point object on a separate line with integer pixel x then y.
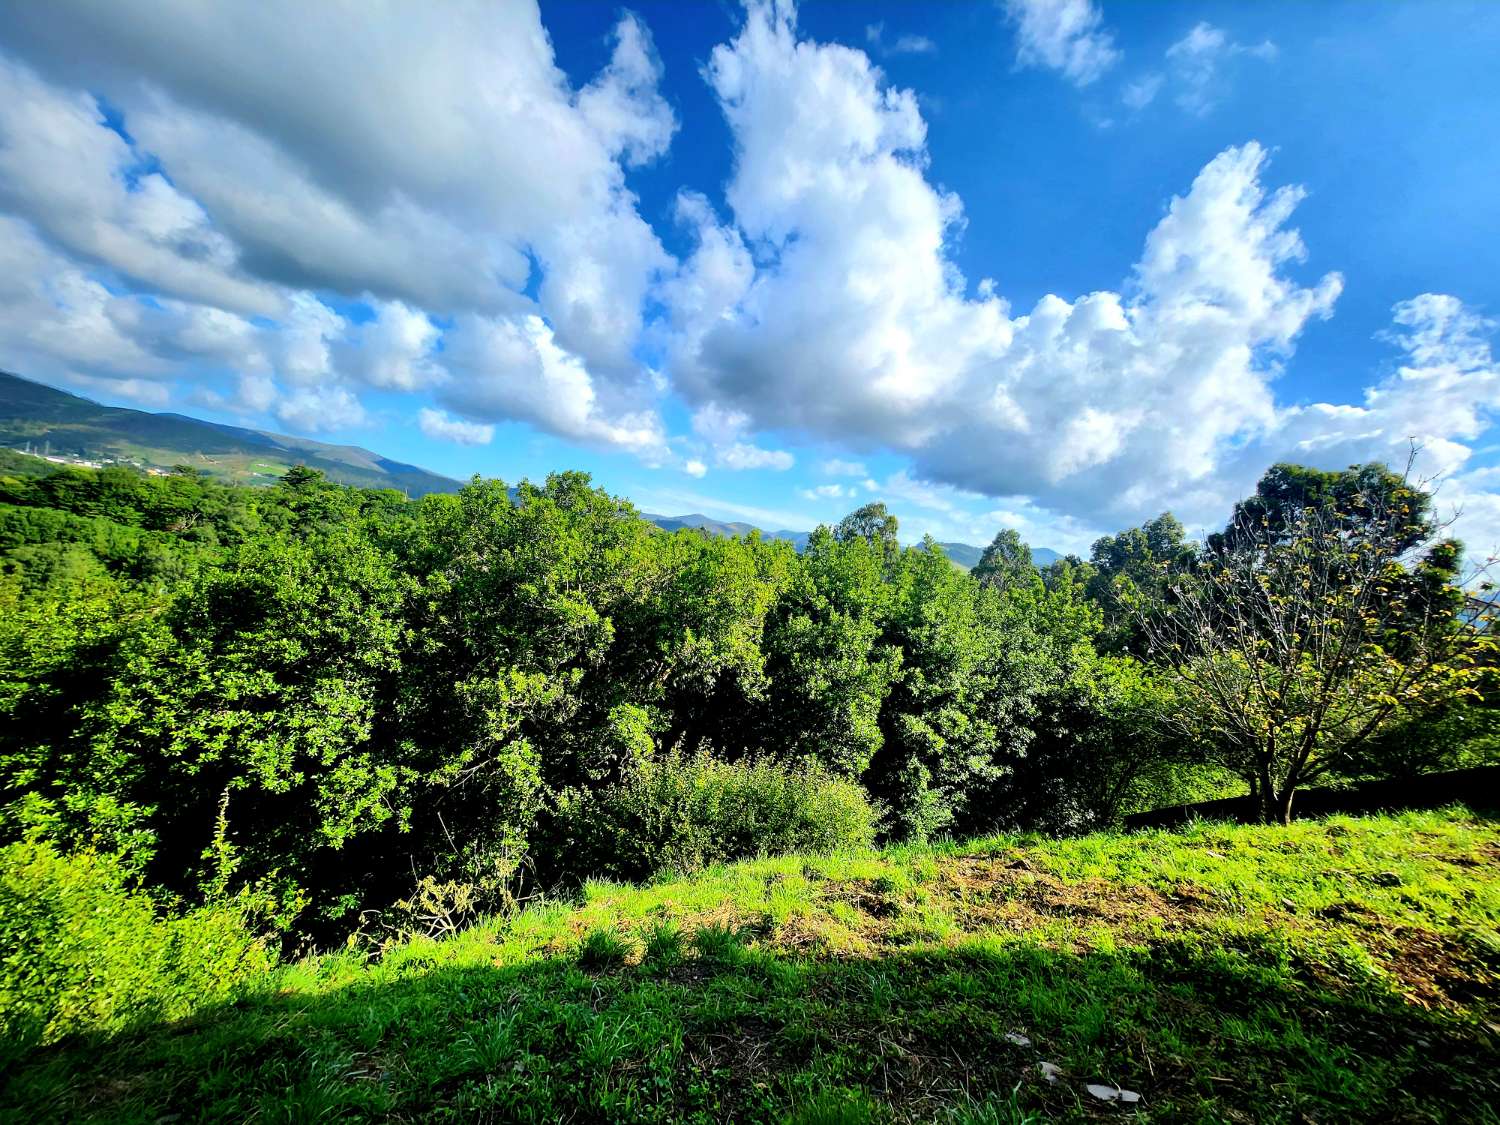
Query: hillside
{"type": "Point", "coordinates": [1342, 970]}
{"type": "Point", "coordinates": [50, 420]}
{"type": "Point", "coordinates": [726, 528]}
{"type": "Point", "coordinates": [45, 419]}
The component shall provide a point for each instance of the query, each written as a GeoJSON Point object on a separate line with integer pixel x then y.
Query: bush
{"type": "Point", "coordinates": [683, 812]}
{"type": "Point", "coordinates": [81, 952]}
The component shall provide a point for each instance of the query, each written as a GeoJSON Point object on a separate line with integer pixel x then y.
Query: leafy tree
{"type": "Point", "coordinates": [260, 691]}
{"type": "Point", "coordinates": [829, 670]}
{"type": "Point", "coordinates": [1101, 749]}
{"type": "Point", "coordinates": [871, 523]}
{"type": "Point", "coordinates": [1302, 638]}
{"type": "Point", "coordinates": [1005, 562]}
{"type": "Point", "coordinates": [1139, 561]}
{"type": "Point", "coordinates": [1351, 496]}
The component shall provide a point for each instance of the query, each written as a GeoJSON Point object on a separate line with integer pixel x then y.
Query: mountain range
{"type": "Point", "coordinates": [43, 420]}
{"type": "Point", "coordinates": [50, 422]}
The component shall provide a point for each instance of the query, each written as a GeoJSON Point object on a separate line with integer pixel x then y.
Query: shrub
{"type": "Point", "coordinates": [683, 813]}
{"type": "Point", "coordinates": [82, 952]}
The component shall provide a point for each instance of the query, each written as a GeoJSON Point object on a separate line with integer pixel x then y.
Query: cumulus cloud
{"type": "Point", "coordinates": [59, 322]}
{"type": "Point", "coordinates": [725, 431]}
{"type": "Point", "coordinates": [851, 322]}
{"type": "Point", "coordinates": [507, 368]}
{"type": "Point", "coordinates": [84, 187]}
{"type": "Point", "coordinates": [1062, 35]}
{"type": "Point", "coordinates": [437, 424]}
{"type": "Point", "coordinates": [434, 161]}
{"type": "Point", "coordinates": [858, 326]}
{"type": "Point", "coordinates": [396, 349]}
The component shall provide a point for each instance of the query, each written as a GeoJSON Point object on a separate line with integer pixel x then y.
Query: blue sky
{"type": "Point", "coordinates": [1051, 264]}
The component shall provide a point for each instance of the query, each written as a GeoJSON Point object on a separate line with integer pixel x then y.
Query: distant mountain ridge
{"type": "Point", "coordinates": [54, 421]}
{"type": "Point", "coordinates": [964, 555]}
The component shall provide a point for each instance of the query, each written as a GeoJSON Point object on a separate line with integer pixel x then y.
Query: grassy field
{"type": "Point", "coordinates": [1333, 971]}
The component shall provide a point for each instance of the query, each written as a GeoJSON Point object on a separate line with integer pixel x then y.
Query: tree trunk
{"type": "Point", "coordinates": [1284, 812]}
{"type": "Point", "coordinates": [1269, 806]}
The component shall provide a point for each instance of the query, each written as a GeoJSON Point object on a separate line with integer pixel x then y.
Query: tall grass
{"type": "Point", "coordinates": [683, 813]}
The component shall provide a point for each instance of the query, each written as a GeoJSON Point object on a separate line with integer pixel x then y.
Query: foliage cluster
{"type": "Point", "coordinates": [328, 694]}
{"type": "Point", "coordinates": [80, 952]}
{"type": "Point", "coordinates": [353, 706]}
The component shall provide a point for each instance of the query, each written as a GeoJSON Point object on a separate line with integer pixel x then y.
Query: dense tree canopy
{"type": "Point", "coordinates": [341, 699]}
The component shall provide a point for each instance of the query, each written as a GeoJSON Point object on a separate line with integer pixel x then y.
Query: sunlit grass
{"type": "Point", "coordinates": [1338, 970]}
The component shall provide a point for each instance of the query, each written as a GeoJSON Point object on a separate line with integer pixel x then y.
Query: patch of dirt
{"type": "Point", "coordinates": [867, 896]}
{"type": "Point", "coordinates": [1488, 855]}
{"type": "Point", "coordinates": [1431, 970]}
{"type": "Point", "coordinates": [1008, 892]}
{"type": "Point", "coordinates": [1437, 972]}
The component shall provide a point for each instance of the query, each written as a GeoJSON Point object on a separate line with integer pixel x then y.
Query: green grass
{"type": "Point", "coordinates": [1337, 970]}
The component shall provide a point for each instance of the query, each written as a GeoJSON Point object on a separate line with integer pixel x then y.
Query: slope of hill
{"type": "Point", "coordinates": [704, 523]}
{"type": "Point", "coordinates": [55, 422]}
{"type": "Point", "coordinates": [1341, 970]}
{"type": "Point", "coordinates": [47, 420]}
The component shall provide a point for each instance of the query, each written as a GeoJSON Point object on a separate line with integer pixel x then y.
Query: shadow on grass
{"type": "Point", "coordinates": [729, 1032]}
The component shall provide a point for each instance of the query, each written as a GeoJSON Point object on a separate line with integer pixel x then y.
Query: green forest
{"type": "Point", "coordinates": [247, 726]}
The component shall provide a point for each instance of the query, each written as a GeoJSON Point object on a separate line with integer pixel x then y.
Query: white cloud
{"type": "Point", "coordinates": [60, 323]}
{"type": "Point", "coordinates": [725, 432]}
{"type": "Point", "coordinates": [694, 468]}
{"type": "Point", "coordinates": [320, 409]}
{"type": "Point", "coordinates": [82, 185]}
{"type": "Point", "coordinates": [434, 160]}
{"type": "Point", "coordinates": [504, 368]}
{"type": "Point", "coordinates": [825, 492]}
{"type": "Point", "coordinates": [1062, 35]}
{"type": "Point", "coordinates": [1195, 62]}
{"type": "Point", "coordinates": [834, 467]}
{"type": "Point", "coordinates": [743, 455]}
{"type": "Point", "coordinates": [396, 349]}
{"type": "Point", "coordinates": [907, 44]}
{"type": "Point", "coordinates": [857, 326]}
{"type": "Point", "coordinates": [437, 424]}
{"type": "Point", "coordinates": [1443, 396]}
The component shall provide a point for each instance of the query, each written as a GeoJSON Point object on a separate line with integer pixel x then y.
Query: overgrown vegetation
{"type": "Point", "coordinates": [266, 722]}
{"type": "Point", "coordinates": [82, 953]}
{"type": "Point", "coordinates": [1333, 971]}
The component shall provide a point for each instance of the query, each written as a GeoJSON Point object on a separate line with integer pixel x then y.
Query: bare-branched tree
{"type": "Point", "coordinates": [1294, 640]}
